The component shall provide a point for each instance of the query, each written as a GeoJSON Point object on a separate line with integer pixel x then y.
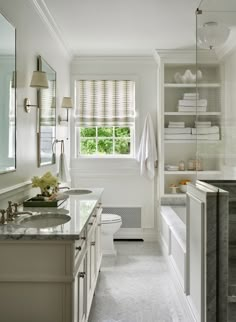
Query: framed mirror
{"type": "Point", "coordinates": [7, 96]}
{"type": "Point", "coordinates": [46, 132]}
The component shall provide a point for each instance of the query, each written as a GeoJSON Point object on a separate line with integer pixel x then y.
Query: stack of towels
{"type": "Point", "coordinates": [177, 131]}
{"type": "Point", "coordinates": [192, 103]}
{"type": "Point", "coordinates": [205, 131]}
{"type": "Point", "coordinates": [202, 131]}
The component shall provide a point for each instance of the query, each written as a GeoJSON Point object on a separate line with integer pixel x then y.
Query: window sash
{"type": "Point", "coordinates": [113, 138]}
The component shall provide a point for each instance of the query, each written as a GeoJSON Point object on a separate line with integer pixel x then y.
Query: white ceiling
{"type": "Point", "coordinates": [122, 27]}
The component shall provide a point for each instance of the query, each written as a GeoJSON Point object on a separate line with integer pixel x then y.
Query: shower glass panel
{"type": "Point", "coordinates": [216, 112]}
{"type": "Point", "coordinates": [216, 138]}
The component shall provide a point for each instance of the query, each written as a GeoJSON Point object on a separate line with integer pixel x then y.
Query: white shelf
{"type": "Point", "coordinates": [210, 172]}
{"type": "Point", "coordinates": [193, 113]}
{"type": "Point", "coordinates": [201, 85]}
{"type": "Point", "coordinates": [194, 141]}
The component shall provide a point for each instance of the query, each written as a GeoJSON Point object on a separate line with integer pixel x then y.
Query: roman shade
{"type": "Point", "coordinates": [105, 103]}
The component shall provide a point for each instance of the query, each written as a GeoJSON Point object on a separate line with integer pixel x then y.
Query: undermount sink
{"type": "Point", "coordinates": [77, 192]}
{"type": "Point", "coordinates": [43, 220]}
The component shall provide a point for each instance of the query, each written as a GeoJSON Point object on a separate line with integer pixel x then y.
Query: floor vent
{"type": "Point", "coordinates": [129, 239]}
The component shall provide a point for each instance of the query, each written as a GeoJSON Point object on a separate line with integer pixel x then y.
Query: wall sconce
{"type": "Point", "coordinates": [39, 80]}
{"type": "Point", "coordinates": [66, 103]}
{"type": "Point", "coordinates": [212, 34]}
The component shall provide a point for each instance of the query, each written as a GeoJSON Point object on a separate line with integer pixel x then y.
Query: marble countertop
{"type": "Point", "coordinates": [78, 207]}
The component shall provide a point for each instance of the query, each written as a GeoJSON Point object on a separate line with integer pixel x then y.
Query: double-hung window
{"type": "Point", "coordinates": [104, 118]}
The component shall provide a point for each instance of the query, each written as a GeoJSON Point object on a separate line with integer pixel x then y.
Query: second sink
{"type": "Point", "coordinates": [77, 192]}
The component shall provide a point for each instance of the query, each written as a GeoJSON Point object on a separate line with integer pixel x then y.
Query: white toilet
{"type": "Point", "coordinates": [110, 225]}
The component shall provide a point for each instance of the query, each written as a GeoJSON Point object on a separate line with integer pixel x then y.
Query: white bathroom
{"type": "Point", "coordinates": [117, 200]}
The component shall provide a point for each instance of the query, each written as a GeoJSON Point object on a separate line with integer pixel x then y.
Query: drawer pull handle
{"type": "Point", "coordinates": [84, 238]}
{"type": "Point", "coordinates": [94, 216]}
{"type": "Point", "coordinates": [90, 223]}
{"type": "Point", "coordinates": [78, 248]}
{"type": "Point", "coordinates": [92, 243]}
{"type": "Point", "coordinates": [82, 275]}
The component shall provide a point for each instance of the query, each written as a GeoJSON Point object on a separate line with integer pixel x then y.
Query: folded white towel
{"type": "Point", "coordinates": [147, 154]}
{"type": "Point", "coordinates": [179, 137]}
{"type": "Point", "coordinates": [191, 108]}
{"type": "Point", "coordinates": [191, 95]}
{"type": "Point", "coordinates": [206, 130]}
{"type": "Point", "coordinates": [187, 102]}
{"type": "Point", "coordinates": [202, 124]}
{"type": "Point", "coordinates": [176, 124]}
{"type": "Point", "coordinates": [178, 130]}
{"type": "Point", "coordinates": [214, 136]}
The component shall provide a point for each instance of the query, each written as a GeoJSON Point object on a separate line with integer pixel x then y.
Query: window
{"type": "Point", "coordinates": [104, 118]}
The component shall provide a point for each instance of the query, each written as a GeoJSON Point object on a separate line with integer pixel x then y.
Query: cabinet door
{"type": "Point", "coordinates": [93, 263]}
{"type": "Point", "coordinates": [80, 295]}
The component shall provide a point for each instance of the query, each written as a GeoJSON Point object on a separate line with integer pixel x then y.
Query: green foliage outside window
{"type": "Point", "coordinates": [122, 146]}
{"type": "Point", "coordinates": [105, 146]}
{"type": "Point", "coordinates": [110, 140]}
{"type": "Point", "coordinates": [105, 131]}
{"type": "Point", "coordinates": [88, 132]}
{"type": "Point", "coordinates": [88, 146]}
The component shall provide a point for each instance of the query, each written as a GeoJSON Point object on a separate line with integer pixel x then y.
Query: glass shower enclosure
{"type": "Point", "coordinates": [216, 114]}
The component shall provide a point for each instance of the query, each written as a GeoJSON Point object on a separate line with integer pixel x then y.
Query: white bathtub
{"type": "Point", "coordinates": [173, 236]}
{"type": "Point", "coordinates": [181, 212]}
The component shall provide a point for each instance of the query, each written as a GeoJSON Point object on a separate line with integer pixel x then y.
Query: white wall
{"type": "Point", "coordinates": [33, 37]}
{"type": "Point", "coordinates": [120, 178]}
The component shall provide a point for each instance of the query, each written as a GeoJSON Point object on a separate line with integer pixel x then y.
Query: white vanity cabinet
{"type": "Point", "coordinates": [50, 278]}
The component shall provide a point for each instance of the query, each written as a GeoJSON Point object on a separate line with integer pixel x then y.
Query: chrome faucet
{"type": "Point", "coordinates": [11, 213]}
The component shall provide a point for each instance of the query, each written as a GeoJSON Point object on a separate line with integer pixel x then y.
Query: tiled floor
{"type": "Point", "coordinates": [136, 286]}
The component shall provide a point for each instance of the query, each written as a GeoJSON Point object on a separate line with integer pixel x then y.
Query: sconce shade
{"type": "Point", "coordinates": [39, 80]}
{"type": "Point", "coordinates": [67, 102]}
{"type": "Point", "coordinates": [212, 35]}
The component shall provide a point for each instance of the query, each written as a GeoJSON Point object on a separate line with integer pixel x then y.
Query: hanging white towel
{"type": "Point", "coordinates": [64, 174]}
{"type": "Point", "coordinates": [147, 154]}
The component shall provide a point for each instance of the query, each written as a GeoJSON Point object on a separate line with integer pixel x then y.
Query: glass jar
{"type": "Point", "coordinates": [181, 165]}
{"type": "Point", "coordinates": [191, 164]}
{"type": "Point", "coordinates": [198, 165]}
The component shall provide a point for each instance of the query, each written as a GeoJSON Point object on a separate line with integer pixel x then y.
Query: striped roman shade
{"type": "Point", "coordinates": [48, 104]}
{"type": "Point", "coordinates": [105, 102]}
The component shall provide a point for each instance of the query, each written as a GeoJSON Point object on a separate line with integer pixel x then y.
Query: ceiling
{"type": "Point", "coordinates": [122, 27]}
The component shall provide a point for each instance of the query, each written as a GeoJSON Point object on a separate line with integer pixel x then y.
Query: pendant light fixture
{"type": "Point", "coordinates": [212, 35]}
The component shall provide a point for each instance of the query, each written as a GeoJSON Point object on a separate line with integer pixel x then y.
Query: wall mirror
{"type": "Point", "coordinates": [46, 132]}
{"type": "Point", "coordinates": [7, 96]}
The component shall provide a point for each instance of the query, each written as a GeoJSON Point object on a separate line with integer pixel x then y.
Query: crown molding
{"type": "Point", "coordinates": [130, 59]}
{"type": "Point", "coordinates": [185, 56]}
{"type": "Point", "coordinates": [44, 13]}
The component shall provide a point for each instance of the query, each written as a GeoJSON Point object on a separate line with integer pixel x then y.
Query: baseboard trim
{"type": "Point", "coordinates": [128, 239]}
{"type": "Point", "coordinates": [129, 233]}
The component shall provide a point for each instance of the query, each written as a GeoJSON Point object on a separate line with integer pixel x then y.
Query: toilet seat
{"type": "Point", "coordinates": [110, 218]}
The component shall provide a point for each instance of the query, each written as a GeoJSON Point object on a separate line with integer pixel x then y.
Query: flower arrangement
{"type": "Point", "coordinates": [48, 184]}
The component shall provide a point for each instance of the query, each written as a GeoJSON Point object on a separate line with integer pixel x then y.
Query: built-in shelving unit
{"type": "Point", "coordinates": [205, 149]}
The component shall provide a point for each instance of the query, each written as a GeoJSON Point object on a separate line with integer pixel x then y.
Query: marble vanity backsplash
{"type": "Point", "coordinates": [17, 193]}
